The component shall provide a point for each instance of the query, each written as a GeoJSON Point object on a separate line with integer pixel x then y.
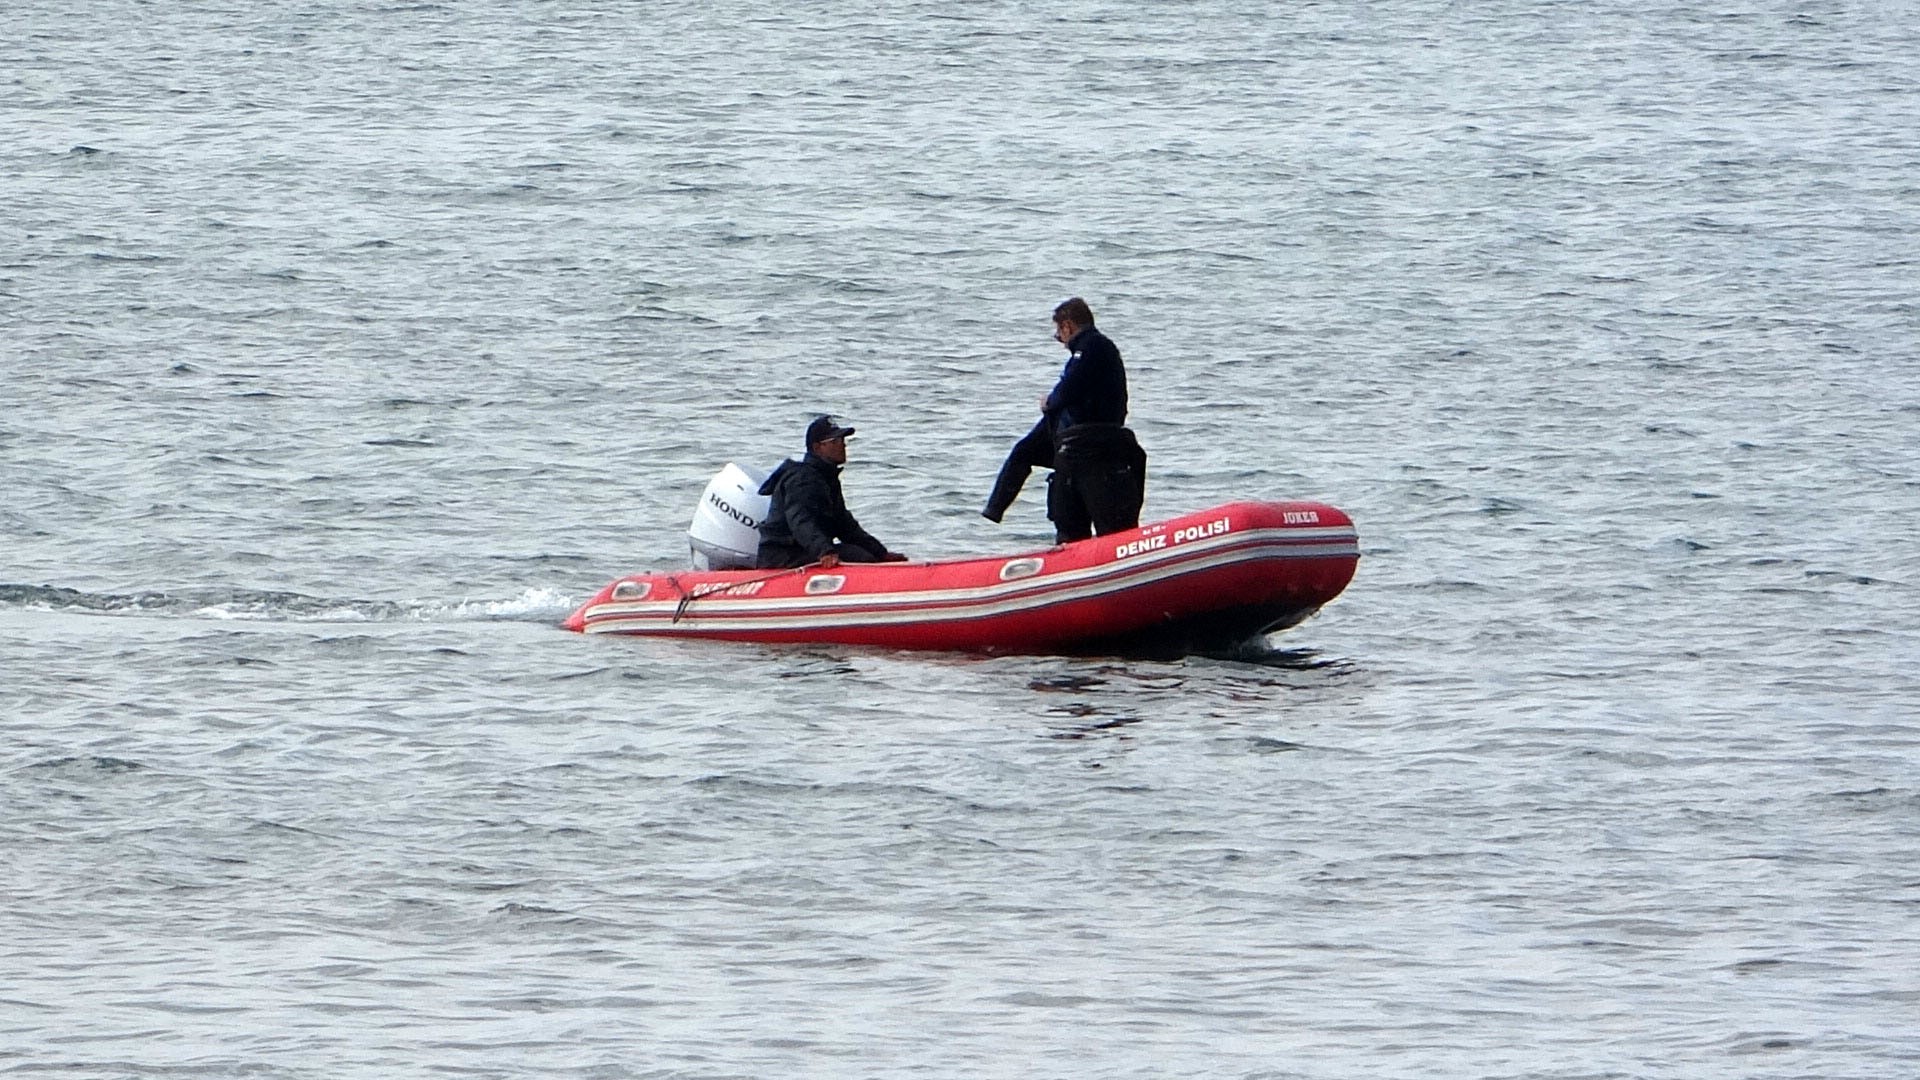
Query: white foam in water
{"type": "Point", "coordinates": [530, 605]}
{"type": "Point", "coordinates": [342, 611]}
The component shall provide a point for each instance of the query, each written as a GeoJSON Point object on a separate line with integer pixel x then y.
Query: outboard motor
{"type": "Point", "coordinates": [725, 533]}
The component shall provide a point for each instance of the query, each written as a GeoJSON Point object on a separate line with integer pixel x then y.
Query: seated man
{"type": "Point", "coordinates": [808, 520]}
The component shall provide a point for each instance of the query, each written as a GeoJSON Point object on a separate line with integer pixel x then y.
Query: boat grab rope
{"type": "Point", "coordinates": [688, 596]}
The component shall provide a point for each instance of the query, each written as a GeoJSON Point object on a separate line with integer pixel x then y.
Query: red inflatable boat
{"type": "Point", "coordinates": [1205, 581]}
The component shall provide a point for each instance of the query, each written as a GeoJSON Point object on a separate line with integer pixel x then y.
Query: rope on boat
{"type": "Point", "coordinates": [687, 596]}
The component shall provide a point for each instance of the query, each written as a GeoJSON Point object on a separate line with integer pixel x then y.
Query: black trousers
{"type": "Point", "coordinates": [852, 552]}
{"type": "Point", "coordinates": [1035, 449]}
{"type": "Point", "coordinates": [1099, 482]}
{"type": "Point", "coordinates": [788, 556]}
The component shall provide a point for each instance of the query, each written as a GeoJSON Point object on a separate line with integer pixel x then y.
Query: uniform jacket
{"type": "Point", "coordinates": [1092, 387]}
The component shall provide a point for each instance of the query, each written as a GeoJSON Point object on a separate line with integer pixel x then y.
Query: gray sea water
{"type": "Point", "coordinates": [346, 345]}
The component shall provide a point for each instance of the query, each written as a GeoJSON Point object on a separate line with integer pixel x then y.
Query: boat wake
{"type": "Point", "coordinates": [256, 605]}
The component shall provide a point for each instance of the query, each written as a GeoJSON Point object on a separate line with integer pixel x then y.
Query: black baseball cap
{"type": "Point", "coordinates": [824, 428]}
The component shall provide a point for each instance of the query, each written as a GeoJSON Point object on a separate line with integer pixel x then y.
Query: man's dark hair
{"type": "Point", "coordinates": [1075, 309]}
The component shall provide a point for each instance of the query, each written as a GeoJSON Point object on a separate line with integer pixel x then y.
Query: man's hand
{"type": "Point", "coordinates": [829, 561]}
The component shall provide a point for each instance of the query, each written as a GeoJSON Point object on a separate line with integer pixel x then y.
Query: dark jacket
{"type": "Point", "coordinates": [1093, 386]}
{"type": "Point", "coordinates": [808, 517]}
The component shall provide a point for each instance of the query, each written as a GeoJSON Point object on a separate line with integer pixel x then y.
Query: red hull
{"type": "Point", "coordinates": [1205, 580]}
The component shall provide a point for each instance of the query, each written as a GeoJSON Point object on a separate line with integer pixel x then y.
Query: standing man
{"type": "Point", "coordinates": [1099, 471]}
{"type": "Point", "coordinates": [808, 520]}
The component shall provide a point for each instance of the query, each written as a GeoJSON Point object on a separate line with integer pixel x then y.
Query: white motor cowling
{"type": "Point", "coordinates": [725, 533]}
